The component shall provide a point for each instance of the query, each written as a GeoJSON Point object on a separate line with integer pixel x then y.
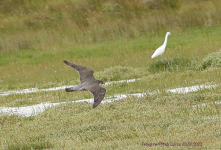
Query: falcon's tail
{"type": "Point", "coordinates": [67, 63]}
{"type": "Point", "coordinates": [69, 89]}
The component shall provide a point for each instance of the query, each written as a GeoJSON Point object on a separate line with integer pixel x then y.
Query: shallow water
{"type": "Point", "coordinates": [39, 108]}
{"type": "Point", "coordinates": [34, 90]}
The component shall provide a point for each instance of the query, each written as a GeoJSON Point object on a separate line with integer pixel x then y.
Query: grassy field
{"type": "Point", "coordinates": [116, 39]}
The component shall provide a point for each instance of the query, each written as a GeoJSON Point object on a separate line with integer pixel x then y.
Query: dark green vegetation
{"type": "Point", "coordinates": [116, 39]}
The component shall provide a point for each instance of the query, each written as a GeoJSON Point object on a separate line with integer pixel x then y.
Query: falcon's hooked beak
{"type": "Point", "coordinates": [102, 82]}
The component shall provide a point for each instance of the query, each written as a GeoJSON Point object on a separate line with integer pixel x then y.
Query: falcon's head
{"type": "Point", "coordinates": [101, 82]}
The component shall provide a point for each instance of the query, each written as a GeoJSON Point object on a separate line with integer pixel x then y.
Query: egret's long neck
{"type": "Point", "coordinates": [165, 41]}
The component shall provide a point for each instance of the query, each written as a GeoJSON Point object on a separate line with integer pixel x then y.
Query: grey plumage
{"type": "Point", "coordinates": [88, 82]}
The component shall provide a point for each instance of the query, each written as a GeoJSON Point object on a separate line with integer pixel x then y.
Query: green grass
{"type": "Point", "coordinates": [125, 123]}
{"type": "Point", "coordinates": [47, 65]}
{"type": "Point", "coordinates": [116, 39]}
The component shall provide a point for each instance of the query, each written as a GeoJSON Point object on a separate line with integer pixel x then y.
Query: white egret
{"type": "Point", "coordinates": [162, 48]}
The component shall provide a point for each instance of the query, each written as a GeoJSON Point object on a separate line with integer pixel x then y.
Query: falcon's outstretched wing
{"type": "Point", "coordinates": [84, 72]}
{"type": "Point", "coordinates": [98, 92]}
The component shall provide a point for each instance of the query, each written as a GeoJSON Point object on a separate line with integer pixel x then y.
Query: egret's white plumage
{"type": "Point", "coordinates": [162, 48]}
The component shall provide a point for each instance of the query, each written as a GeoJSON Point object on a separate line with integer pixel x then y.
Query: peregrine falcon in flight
{"type": "Point", "coordinates": [87, 82]}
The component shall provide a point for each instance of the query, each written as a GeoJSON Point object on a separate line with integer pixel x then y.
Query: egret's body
{"type": "Point", "coordinates": [162, 48]}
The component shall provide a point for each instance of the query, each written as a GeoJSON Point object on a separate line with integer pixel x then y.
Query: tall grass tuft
{"type": "Point", "coordinates": [117, 73]}
{"type": "Point", "coordinates": [164, 4]}
{"type": "Point", "coordinates": [30, 145]}
{"type": "Point", "coordinates": [211, 60]}
{"type": "Point", "coordinates": [170, 64]}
